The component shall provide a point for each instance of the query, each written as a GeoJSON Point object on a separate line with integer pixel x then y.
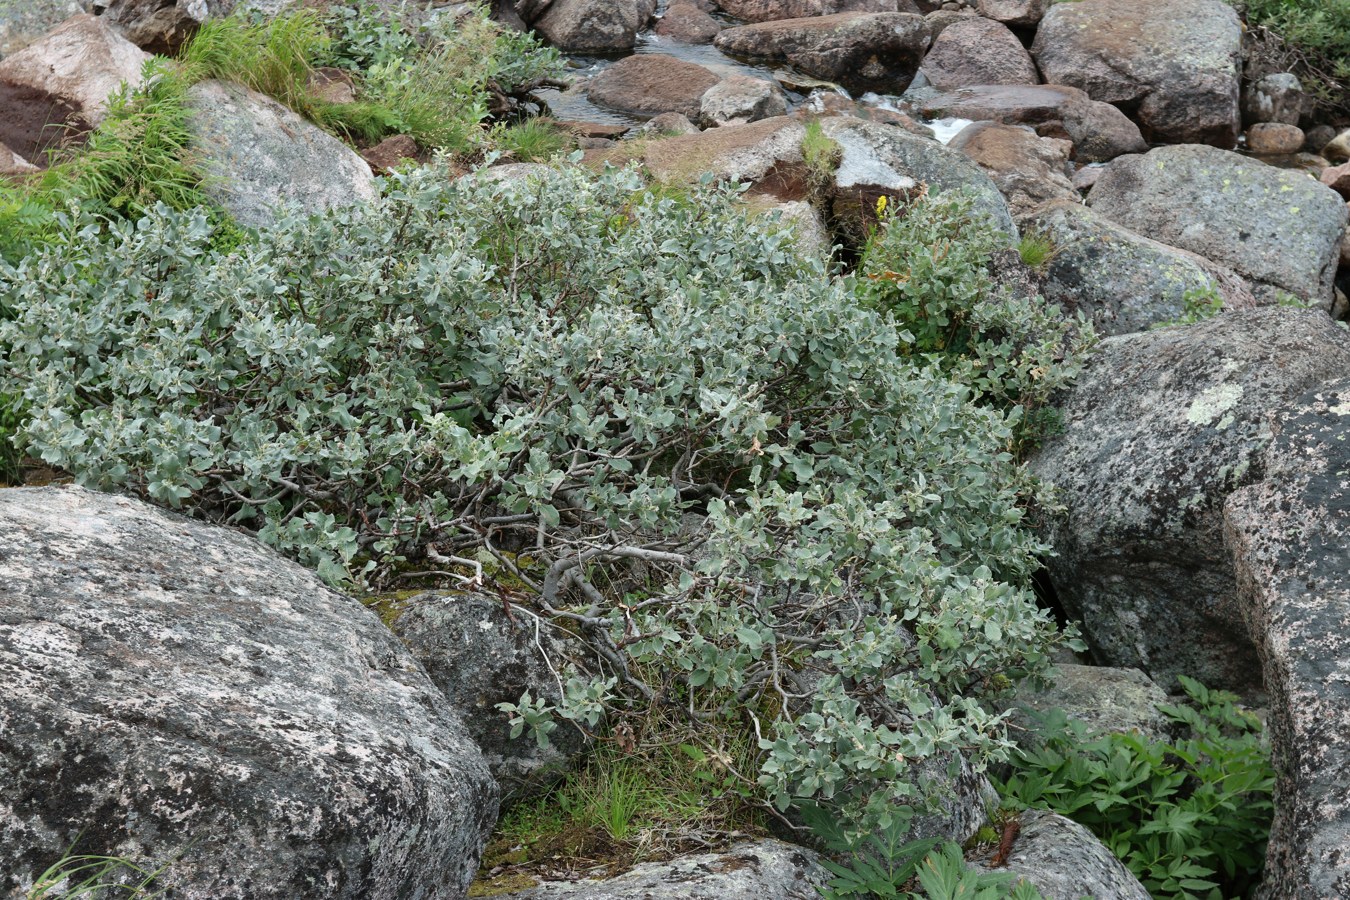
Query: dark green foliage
{"type": "Point", "coordinates": [928, 267]}
{"type": "Point", "coordinates": [1190, 818]}
{"type": "Point", "coordinates": [886, 866]}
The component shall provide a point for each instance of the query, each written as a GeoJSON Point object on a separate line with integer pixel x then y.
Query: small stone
{"type": "Point", "coordinates": [669, 123]}
{"type": "Point", "coordinates": [390, 153]}
{"type": "Point", "coordinates": [1274, 98]}
{"type": "Point", "coordinates": [1338, 179]}
{"type": "Point", "coordinates": [1086, 177]}
{"type": "Point", "coordinates": [1014, 12]}
{"type": "Point", "coordinates": [12, 163]}
{"type": "Point", "coordinates": [1274, 139]}
{"type": "Point", "coordinates": [1318, 137]}
{"type": "Point", "coordinates": [1337, 150]}
{"type": "Point", "coordinates": [332, 85]}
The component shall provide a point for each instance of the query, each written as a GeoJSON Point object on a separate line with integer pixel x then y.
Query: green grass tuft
{"type": "Point", "coordinates": [1036, 250]}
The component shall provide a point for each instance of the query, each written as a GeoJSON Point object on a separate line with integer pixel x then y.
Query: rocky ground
{"type": "Point", "coordinates": [1203, 469]}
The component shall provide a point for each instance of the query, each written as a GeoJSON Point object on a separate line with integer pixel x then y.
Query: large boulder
{"type": "Point", "coordinates": [176, 692]}
{"type": "Point", "coordinates": [649, 84]}
{"type": "Point", "coordinates": [1122, 281]}
{"type": "Point", "coordinates": [1099, 131]}
{"type": "Point", "coordinates": [738, 99]}
{"type": "Point", "coordinates": [687, 21]}
{"type": "Point", "coordinates": [878, 159]}
{"type": "Point", "coordinates": [1277, 228]}
{"type": "Point", "coordinates": [80, 64]}
{"type": "Point", "coordinates": [858, 51]}
{"type": "Point", "coordinates": [1028, 169]}
{"type": "Point", "coordinates": [977, 51]}
{"type": "Point", "coordinates": [162, 26]}
{"type": "Point", "coordinates": [586, 26]}
{"type": "Point", "coordinates": [1290, 536]}
{"type": "Point", "coordinates": [1065, 861]}
{"type": "Point", "coordinates": [259, 156]}
{"type": "Point", "coordinates": [1157, 432]}
{"type": "Point", "coordinates": [766, 154]}
{"type": "Point", "coordinates": [1277, 97]}
{"type": "Point", "coordinates": [1013, 12]}
{"type": "Point", "coordinates": [1177, 65]}
{"type": "Point", "coordinates": [24, 21]}
{"type": "Point", "coordinates": [1106, 699]}
{"type": "Point", "coordinates": [773, 10]}
{"type": "Point", "coordinates": [480, 654]}
{"type": "Point", "coordinates": [750, 870]}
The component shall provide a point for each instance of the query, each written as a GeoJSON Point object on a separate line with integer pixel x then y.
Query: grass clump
{"type": "Point", "coordinates": [533, 140]}
{"type": "Point", "coordinates": [135, 160]}
{"type": "Point", "coordinates": [632, 801]}
{"type": "Point", "coordinates": [97, 877]}
{"type": "Point", "coordinates": [1036, 250]}
{"type": "Point", "coordinates": [821, 155]}
{"type": "Point", "coordinates": [1190, 818]}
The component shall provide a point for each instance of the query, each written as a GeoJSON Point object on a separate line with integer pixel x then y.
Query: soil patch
{"type": "Point", "coordinates": [33, 122]}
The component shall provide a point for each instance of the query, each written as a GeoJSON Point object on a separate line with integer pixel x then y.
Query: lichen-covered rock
{"type": "Point", "coordinates": [977, 51]}
{"type": "Point", "coordinates": [259, 155]}
{"type": "Point", "coordinates": [747, 153]}
{"type": "Point", "coordinates": [688, 22]}
{"type": "Point", "coordinates": [752, 870]}
{"type": "Point", "coordinates": [1099, 131]}
{"type": "Point", "coordinates": [1277, 97]}
{"type": "Point", "coordinates": [173, 687]}
{"type": "Point", "coordinates": [1065, 861]}
{"type": "Point", "coordinates": [878, 159]}
{"type": "Point", "coordinates": [859, 51]}
{"type": "Point", "coordinates": [649, 84]}
{"type": "Point", "coordinates": [773, 10]}
{"type": "Point", "coordinates": [1290, 536]}
{"type": "Point", "coordinates": [585, 26]}
{"type": "Point", "coordinates": [738, 99]}
{"type": "Point", "coordinates": [1177, 64]}
{"type": "Point", "coordinates": [1277, 228]}
{"type": "Point", "coordinates": [1123, 281]}
{"type": "Point", "coordinates": [1028, 169]}
{"type": "Point", "coordinates": [24, 21]}
{"type": "Point", "coordinates": [1158, 431]}
{"type": "Point", "coordinates": [1013, 12]}
{"type": "Point", "coordinates": [82, 63]}
{"type": "Point", "coordinates": [1105, 699]}
{"type": "Point", "coordinates": [479, 656]}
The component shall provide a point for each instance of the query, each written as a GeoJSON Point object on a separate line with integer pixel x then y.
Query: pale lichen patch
{"type": "Point", "coordinates": [1214, 405]}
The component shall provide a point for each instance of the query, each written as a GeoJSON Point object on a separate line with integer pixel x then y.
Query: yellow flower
{"type": "Point", "coordinates": [881, 206]}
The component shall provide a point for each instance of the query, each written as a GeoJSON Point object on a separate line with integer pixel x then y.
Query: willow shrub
{"type": "Point", "coordinates": [644, 417]}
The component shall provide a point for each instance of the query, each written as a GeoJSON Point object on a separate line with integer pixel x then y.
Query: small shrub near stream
{"type": "Point", "coordinates": [770, 502]}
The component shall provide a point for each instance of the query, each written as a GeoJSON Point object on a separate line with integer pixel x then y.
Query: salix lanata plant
{"type": "Point", "coordinates": [645, 418]}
